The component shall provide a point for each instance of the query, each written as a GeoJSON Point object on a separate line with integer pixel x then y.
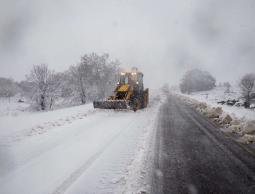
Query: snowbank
{"type": "Point", "coordinates": [218, 94]}
{"type": "Point", "coordinates": [15, 128]}
{"type": "Point", "coordinates": [230, 121]}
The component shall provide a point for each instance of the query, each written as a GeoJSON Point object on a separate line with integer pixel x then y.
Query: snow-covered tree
{"type": "Point", "coordinates": [107, 79]}
{"type": "Point", "coordinates": [197, 80]}
{"type": "Point", "coordinates": [247, 85]}
{"type": "Point", "coordinates": [93, 78]}
{"type": "Point", "coordinates": [8, 88]}
{"type": "Point", "coordinates": [54, 88]}
{"type": "Point", "coordinates": [44, 84]}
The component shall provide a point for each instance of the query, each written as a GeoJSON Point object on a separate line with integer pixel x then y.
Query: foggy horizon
{"type": "Point", "coordinates": [162, 38]}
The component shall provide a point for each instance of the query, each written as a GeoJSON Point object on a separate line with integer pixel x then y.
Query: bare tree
{"type": "Point", "coordinates": [54, 91]}
{"type": "Point", "coordinates": [247, 85]}
{"type": "Point", "coordinates": [93, 77]}
{"type": "Point", "coordinates": [78, 81]}
{"type": "Point", "coordinates": [41, 79]}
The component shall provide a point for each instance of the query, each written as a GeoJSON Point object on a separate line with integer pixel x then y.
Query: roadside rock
{"type": "Point", "coordinates": [248, 139]}
{"type": "Point", "coordinates": [235, 122]}
{"type": "Point", "coordinates": [216, 120]}
{"type": "Point", "coordinates": [249, 128]}
{"type": "Point", "coordinates": [236, 128]}
{"type": "Point", "coordinates": [202, 105]}
{"type": "Point", "coordinates": [227, 120]}
{"type": "Point", "coordinates": [215, 112]}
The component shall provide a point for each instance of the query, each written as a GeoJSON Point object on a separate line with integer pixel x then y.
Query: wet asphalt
{"type": "Point", "coordinates": [192, 156]}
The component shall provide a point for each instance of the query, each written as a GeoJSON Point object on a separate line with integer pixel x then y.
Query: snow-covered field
{"type": "Point", "coordinates": [218, 94]}
{"type": "Point", "coordinates": [76, 150]}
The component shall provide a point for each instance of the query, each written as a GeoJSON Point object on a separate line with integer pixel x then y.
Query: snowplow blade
{"type": "Point", "coordinates": [111, 104]}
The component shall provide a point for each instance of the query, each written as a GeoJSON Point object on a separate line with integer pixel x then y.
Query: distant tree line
{"type": "Point", "coordinates": [8, 87]}
{"type": "Point", "coordinates": [94, 77]}
{"type": "Point", "coordinates": [197, 80]}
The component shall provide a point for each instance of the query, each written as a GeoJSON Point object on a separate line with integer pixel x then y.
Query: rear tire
{"type": "Point", "coordinates": [142, 102]}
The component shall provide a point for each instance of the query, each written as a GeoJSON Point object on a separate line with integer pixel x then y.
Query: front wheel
{"type": "Point", "coordinates": [135, 105]}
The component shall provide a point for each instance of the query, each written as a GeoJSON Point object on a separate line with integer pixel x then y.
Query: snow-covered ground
{"type": "Point", "coordinates": [11, 106]}
{"type": "Point", "coordinates": [218, 94]}
{"type": "Point", "coordinates": [76, 150]}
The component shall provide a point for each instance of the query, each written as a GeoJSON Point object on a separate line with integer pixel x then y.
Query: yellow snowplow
{"type": "Point", "coordinates": [129, 93]}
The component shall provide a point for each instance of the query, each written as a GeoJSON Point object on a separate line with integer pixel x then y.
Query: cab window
{"type": "Point", "coordinates": [124, 79]}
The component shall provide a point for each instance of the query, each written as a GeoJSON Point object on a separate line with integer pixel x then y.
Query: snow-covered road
{"type": "Point", "coordinates": [76, 150]}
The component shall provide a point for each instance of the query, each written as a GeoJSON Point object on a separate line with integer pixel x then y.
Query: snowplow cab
{"type": "Point", "coordinates": [129, 93]}
{"type": "Point", "coordinates": [130, 79]}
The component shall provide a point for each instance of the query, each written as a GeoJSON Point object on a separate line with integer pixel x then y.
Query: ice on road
{"type": "Point", "coordinates": [82, 151]}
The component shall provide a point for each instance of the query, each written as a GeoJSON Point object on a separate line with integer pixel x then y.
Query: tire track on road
{"type": "Point", "coordinates": [79, 172]}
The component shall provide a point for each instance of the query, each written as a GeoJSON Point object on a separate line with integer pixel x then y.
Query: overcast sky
{"type": "Point", "coordinates": [163, 38]}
